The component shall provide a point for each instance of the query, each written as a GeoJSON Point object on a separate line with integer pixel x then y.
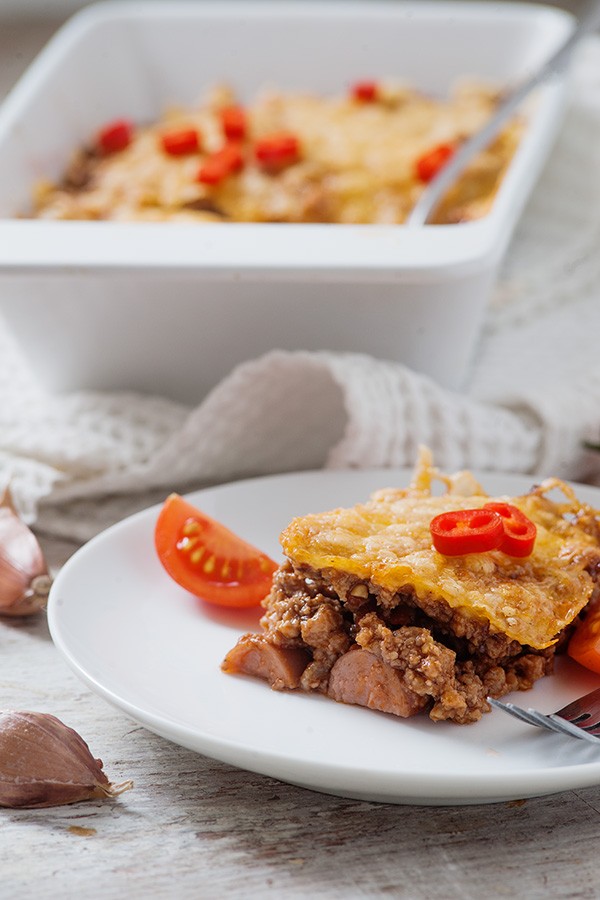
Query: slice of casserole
{"type": "Point", "coordinates": [367, 611]}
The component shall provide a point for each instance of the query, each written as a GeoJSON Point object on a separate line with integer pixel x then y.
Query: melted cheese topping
{"type": "Point", "coordinates": [387, 542]}
{"type": "Point", "coordinates": [357, 162]}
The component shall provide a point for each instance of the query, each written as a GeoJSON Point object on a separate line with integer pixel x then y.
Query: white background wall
{"type": "Point", "coordinates": [64, 7]}
{"type": "Point", "coordinates": [26, 25]}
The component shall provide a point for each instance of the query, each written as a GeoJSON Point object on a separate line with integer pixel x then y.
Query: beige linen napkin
{"type": "Point", "coordinates": [532, 398]}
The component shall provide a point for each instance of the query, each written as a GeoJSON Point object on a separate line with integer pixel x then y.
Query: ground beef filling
{"type": "Point", "coordinates": [446, 660]}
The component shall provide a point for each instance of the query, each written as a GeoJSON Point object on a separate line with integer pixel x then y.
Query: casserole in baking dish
{"type": "Point", "coordinates": [168, 309]}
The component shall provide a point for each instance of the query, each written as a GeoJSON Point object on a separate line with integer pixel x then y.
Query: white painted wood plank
{"type": "Point", "coordinates": [194, 827]}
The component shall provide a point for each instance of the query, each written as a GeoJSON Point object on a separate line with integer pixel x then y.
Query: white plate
{"type": "Point", "coordinates": [154, 651]}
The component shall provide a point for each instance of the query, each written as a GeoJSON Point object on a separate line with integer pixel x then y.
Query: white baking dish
{"type": "Point", "coordinates": [170, 309]}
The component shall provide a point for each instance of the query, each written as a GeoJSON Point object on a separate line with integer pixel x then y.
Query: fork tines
{"type": "Point", "coordinates": [554, 721]}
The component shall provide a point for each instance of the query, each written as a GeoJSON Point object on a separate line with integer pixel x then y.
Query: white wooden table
{"type": "Point", "coordinates": [193, 827]}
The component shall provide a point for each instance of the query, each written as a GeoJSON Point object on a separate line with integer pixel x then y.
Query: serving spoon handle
{"type": "Point", "coordinates": [437, 187]}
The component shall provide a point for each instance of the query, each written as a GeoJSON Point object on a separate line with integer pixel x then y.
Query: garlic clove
{"type": "Point", "coordinates": [43, 762]}
{"type": "Point", "coordinates": [24, 577]}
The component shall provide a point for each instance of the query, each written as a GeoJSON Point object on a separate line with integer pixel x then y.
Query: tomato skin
{"type": "Point", "coordinates": [209, 560]}
{"type": "Point", "coordinates": [584, 646]}
{"type": "Point", "coordinates": [519, 531]}
{"type": "Point", "coordinates": [463, 531]}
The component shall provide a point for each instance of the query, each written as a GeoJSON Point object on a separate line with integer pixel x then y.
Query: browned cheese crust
{"type": "Point", "coordinates": [357, 163]}
{"type": "Point", "coordinates": [421, 630]}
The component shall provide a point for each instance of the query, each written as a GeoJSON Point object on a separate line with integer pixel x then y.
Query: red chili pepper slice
{"type": "Point", "coordinates": [274, 151]}
{"type": "Point", "coordinates": [234, 122]}
{"type": "Point", "coordinates": [430, 163]}
{"type": "Point", "coordinates": [365, 91]}
{"type": "Point", "coordinates": [466, 531]}
{"type": "Point", "coordinates": [115, 136]}
{"type": "Point", "coordinates": [519, 531]}
{"type": "Point", "coordinates": [222, 164]}
{"type": "Point", "coordinates": [181, 142]}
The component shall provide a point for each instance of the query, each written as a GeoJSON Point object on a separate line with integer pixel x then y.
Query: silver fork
{"type": "Point", "coordinates": [579, 719]}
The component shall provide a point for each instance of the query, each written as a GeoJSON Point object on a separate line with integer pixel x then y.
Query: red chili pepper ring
{"type": "Point", "coordinates": [365, 91]}
{"type": "Point", "coordinates": [519, 531]}
{"type": "Point", "coordinates": [277, 150]}
{"type": "Point", "coordinates": [181, 142]}
{"type": "Point", "coordinates": [221, 164]}
{"type": "Point", "coordinates": [234, 122]}
{"type": "Point", "coordinates": [467, 531]}
{"type": "Point", "coordinates": [115, 136]}
{"type": "Point", "coordinates": [429, 164]}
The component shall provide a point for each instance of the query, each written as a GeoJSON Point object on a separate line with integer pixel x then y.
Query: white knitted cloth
{"type": "Point", "coordinates": [533, 395]}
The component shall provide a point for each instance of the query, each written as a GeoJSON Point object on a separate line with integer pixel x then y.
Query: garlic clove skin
{"type": "Point", "coordinates": [44, 763]}
{"type": "Point", "coordinates": [31, 601]}
{"type": "Point", "coordinates": [24, 577]}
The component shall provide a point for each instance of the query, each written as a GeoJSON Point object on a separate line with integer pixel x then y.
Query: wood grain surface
{"type": "Point", "coordinates": [194, 827]}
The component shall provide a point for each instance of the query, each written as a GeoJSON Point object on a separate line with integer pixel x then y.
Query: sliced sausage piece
{"type": "Point", "coordinates": [254, 655]}
{"type": "Point", "coordinates": [361, 678]}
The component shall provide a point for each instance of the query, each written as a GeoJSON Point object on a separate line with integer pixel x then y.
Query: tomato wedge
{"type": "Point", "coordinates": [209, 560]}
{"type": "Point", "coordinates": [584, 646]}
{"type": "Point", "coordinates": [519, 531]}
{"type": "Point", "coordinates": [466, 531]}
